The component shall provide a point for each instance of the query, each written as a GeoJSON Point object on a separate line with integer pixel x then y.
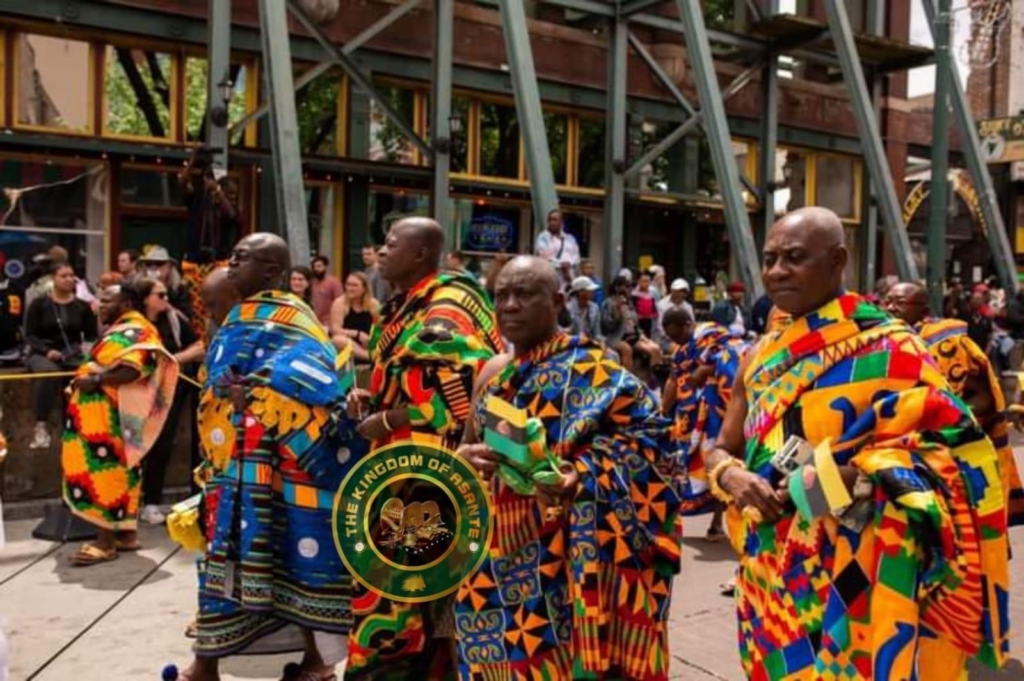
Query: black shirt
{"type": "Point", "coordinates": [186, 336]}
{"type": "Point", "coordinates": [979, 330]}
{"type": "Point", "coordinates": [44, 319]}
{"type": "Point", "coordinates": [358, 321]}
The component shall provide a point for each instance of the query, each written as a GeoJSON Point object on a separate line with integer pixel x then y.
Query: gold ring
{"type": "Point", "coordinates": [752, 514]}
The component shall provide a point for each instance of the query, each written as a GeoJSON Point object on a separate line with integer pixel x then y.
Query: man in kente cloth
{"type": "Point", "coordinates": [890, 529]}
{"type": "Point", "coordinates": [435, 335]}
{"type": "Point", "coordinates": [273, 429]}
{"type": "Point", "coordinates": [970, 376]}
{"type": "Point", "coordinates": [577, 580]}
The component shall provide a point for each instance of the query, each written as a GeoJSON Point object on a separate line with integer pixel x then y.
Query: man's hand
{"type": "Point", "coordinates": [481, 457]}
{"type": "Point", "coordinates": [86, 384]}
{"type": "Point", "coordinates": [357, 403]}
{"type": "Point", "coordinates": [554, 495]}
{"type": "Point", "coordinates": [54, 356]}
{"type": "Point", "coordinates": [701, 374]}
{"type": "Point", "coordinates": [750, 489]}
{"type": "Point", "coordinates": [373, 428]}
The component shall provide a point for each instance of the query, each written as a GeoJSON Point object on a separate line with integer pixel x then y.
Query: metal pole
{"type": "Point", "coordinates": [875, 24]}
{"type": "Point", "coordinates": [528, 109]}
{"type": "Point", "coordinates": [939, 200]}
{"type": "Point", "coordinates": [218, 69]}
{"type": "Point", "coordinates": [441, 102]}
{"type": "Point", "coordinates": [995, 229]}
{"type": "Point", "coordinates": [357, 76]}
{"type": "Point", "coordinates": [769, 138]}
{"type": "Point", "coordinates": [716, 126]}
{"type": "Point", "coordinates": [871, 139]}
{"type": "Point", "coordinates": [284, 129]}
{"type": "Point", "coordinates": [313, 72]}
{"type": "Point", "coordinates": [615, 147]}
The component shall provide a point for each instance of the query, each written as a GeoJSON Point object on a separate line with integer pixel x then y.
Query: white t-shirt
{"type": "Point", "coordinates": [558, 249]}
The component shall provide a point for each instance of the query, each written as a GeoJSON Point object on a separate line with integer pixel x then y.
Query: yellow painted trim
{"type": "Point", "coordinates": [91, 89]}
{"type": "Point", "coordinates": [341, 138]}
{"type": "Point", "coordinates": [172, 110]}
{"type": "Point", "coordinates": [252, 97]}
{"type": "Point", "coordinates": [811, 174]}
{"type": "Point", "coordinates": [418, 108]}
{"type": "Point", "coordinates": [3, 76]}
{"type": "Point", "coordinates": [1019, 241]}
{"type": "Point", "coordinates": [473, 131]}
{"type": "Point", "coordinates": [858, 189]}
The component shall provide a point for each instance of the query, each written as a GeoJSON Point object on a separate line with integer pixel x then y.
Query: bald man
{"type": "Point", "coordinates": [219, 296]}
{"type": "Point", "coordinates": [970, 376]}
{"type": "Point", "coordinates": [863, 499]}
{"type": "Point", "coordinates": [270, 562]}
{"type": "Point", "coordinates": [594, 554]}
{"type": "Point", "coordinates": [434, 336]}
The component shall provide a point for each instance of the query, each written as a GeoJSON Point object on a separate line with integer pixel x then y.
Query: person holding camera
{"type": "Point", "coordinates": [56, 325]}
{"type": "Point", "coordinates": [215, 220]}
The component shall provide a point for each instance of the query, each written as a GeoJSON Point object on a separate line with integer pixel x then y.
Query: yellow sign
{"type": "Point", "coordinates": [961, 186]}
{"type": "Point", "coordinates": [1002, 139]}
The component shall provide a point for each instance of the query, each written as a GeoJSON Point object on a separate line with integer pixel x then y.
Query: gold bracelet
{"type": "Point", "coordinates": [716, 472]}
{"type": "Point", "coordinates": [384, 418]}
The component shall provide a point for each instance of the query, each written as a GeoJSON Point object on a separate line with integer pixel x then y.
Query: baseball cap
{"type": "Point", "coordinates": [679, 285]}
{"type": "Point", "coordinates": [736, 287]}
{"type": "Point", "coordinates": [583, 284]}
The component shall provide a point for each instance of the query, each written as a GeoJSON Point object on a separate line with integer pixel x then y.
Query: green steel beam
{"type": "Point", "coordinates": [874, 25]}
{"type": "Point", "coordinates": [358, 77]}
{"type": "Point", "coordinates": [716, 126]}
{"type": "Point", "coordinates": [441, 113]}
{"type": "Point", "coordinates": [615, 150]}
{"type": "Point", "coordinates": [697, 117]}
{"type": "Point", "coordinates": [631, 7]}
{"type": "Point", "coordinates": [995, 229]}
{"type": "Point", "coordinates": [290, 194]}
{"type": "Point", "coordinates": [528, 109]}
{"type": "Point", "coordinates": [660, 74]}
{"type": "Point", "coordinates": [768, 139]}
{"type": "Point", "coordinates": [218, 50]}
{"type": "Point", "coordinates": [871, 139]}
{"type": "Point", "coordinates": [938, 214]}
{"type": "Point", "coordinates": [313, 72]}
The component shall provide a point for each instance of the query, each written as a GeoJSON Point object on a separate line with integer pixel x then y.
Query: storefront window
{"type": "Point", "coordinates": [591, 153]}
{"type": "Point", "coordinates": [53, 83]}
{"type": "Point", "coordinates": [557, 126]}
{"type": "Point", "coordinates": [654, 177]}
{"type": "Point", "coordinates": [487, 228]}
{"type": "Point", "coordinates": [137, 97]}
{"type": "Point", "coordinates": [836, 184]}
{"type": "Point", "coordinates": [316, 108]}
{"type": "Point", "coordinates": [387, 142]}
{"type": "Point", "coordinates": [196, 93]}
{"type": "Point", "coordinates": [499, 140]}
{"type": "Point", "coordinates": [458, 131]}
{"type": "Point", "coordinates": [58, 204]}
{"type": "Point", "coordinates": [388, 206]}
{"type": "Point", "coordinates": [791, 180]}
{"type": "Point", "coordinates": [320, 215]}
{"type": "Point", "coordinates": [154, 188]}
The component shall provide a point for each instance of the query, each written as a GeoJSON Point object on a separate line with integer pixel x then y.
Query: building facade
{"type": "Point", "coordinates": [98, 112]}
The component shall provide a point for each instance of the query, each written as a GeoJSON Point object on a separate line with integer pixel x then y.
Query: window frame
{"type": "Point", "coordinates": [175, 133]}
{"type": "Point", "coordinates": [92, 66]}
{"type": "Point", "coordinates": [251, 62]}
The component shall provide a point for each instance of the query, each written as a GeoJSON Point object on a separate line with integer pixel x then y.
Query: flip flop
{"type": "Point", "coordinates": [90, 554]}
{"type": "Point", "coordinates": [727, 589]}
{"type": "Point", "coordinates": [714, 537]}
{"type": "Point", "coordinates": [293, 672]}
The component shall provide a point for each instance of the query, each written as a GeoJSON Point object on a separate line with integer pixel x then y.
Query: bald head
{"type": "Point", "coordinates": [528, 299]}
{"type": "Point", "coordinates": [907, 300]}
{"type": "Point", "coordinates": [258, 263]}
{"type": "Point", "coordinates": [804, 258]}
{"type": "Point", "coordinates": [411, 252]}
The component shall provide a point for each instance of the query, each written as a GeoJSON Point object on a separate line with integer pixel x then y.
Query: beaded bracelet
{"type": "Point", "coordinates": [716, 472]}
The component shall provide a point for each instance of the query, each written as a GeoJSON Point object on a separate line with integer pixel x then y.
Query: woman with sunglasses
{"type": "Point", "coordinates": [182, 342]}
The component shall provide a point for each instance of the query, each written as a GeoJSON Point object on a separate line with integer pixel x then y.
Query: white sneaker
{"type": "Point", "coordinates": [151, 514]}
{"type": "Point", "coordinates": [40, 438]}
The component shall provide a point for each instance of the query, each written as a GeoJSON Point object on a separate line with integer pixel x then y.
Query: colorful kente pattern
{"type": "Point", "coordinates": [821, 599]}
{"type": "Point", "coordinates": [108, 432]}
{"type": "Point", "coordinates": [584, 595]}
{"type": "Point", "coordinates": [959, 358]}
{"type": "Point", "coordinates": [426, 352]}
{"type": "Point", "coordinates": [274, 469]}
{"type": "Point", "coordinates": [700, 409]}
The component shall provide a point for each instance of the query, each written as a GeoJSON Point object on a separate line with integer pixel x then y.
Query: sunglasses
{"type": "Point", "coordinates": [162, 295]}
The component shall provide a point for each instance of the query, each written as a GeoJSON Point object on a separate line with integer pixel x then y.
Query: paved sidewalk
{"type": "Point", "coordinates": [124, 621]}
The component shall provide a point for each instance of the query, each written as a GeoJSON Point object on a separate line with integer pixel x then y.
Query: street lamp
{"type": "Point", "coordinates": [219, 114]}
{"type": "Point", "coordinates": [443, 144]}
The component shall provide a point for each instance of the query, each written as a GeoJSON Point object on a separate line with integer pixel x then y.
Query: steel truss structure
{"type": "Point", "coordinates": [860, 66]}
